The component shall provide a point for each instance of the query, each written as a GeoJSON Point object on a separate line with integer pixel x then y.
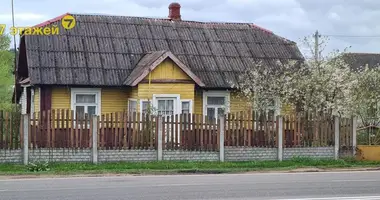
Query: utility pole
{"type": "Point", "coordinates": [316, 45]}
{"type": "Point", "coordinates": [15, 56]}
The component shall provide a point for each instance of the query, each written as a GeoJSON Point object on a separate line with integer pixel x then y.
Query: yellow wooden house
{"type": "Point", "coordinates": [107, 64]}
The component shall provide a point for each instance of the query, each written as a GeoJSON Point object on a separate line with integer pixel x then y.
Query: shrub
{"type": "Point", "coordinates": [38, 166]}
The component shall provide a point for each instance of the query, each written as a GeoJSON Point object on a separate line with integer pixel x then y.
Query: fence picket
{"type": "Point", "coordinates": [116, 130]}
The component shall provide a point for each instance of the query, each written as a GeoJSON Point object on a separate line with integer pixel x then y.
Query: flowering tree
{"type": "Point", "coordinates": [366, 94]}
{"type": "Point", "coordinates": [317, 84]}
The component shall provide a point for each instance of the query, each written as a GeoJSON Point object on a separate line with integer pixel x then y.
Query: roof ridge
{"type": "Point", "coordinates": [155, 18]}
{"type": "Point", "coordinates": [253, 25]}
{"type": "Point", "coordinates": [55, 19]}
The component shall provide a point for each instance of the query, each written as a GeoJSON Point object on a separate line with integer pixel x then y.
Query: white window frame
{"type": "Point", "coordinates": [90, 91]}
{"type": "Point", "coordinates": [226, 94]}
{"type": "Point", "coordinates": [177, 105]}
{"type": "Point", "coordinates": [190, 105]}
{"type": "Point", "coordinates": [134, 100]}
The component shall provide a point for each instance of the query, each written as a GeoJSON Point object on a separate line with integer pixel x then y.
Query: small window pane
{"type": "Point", "coordinates": [132, 106]}
{"type": "Point", "coordinates": [91, 110]}
{"type": "Point", "coordinates": [85, 98]}
{"type": "Point", "coordinates": [80, 111]}
{"type": "Point", "coordinates": [185, 107]}
{"type": "Point", "coordinates": [161, 105]}
{"type": "Point", "coordinates": [215, 100]}
{"type": "Point", "coordinates": [169, 107]}
{"type": "Point", "coordinates": [210, 113]}
{"type": "Point", "coordinates": [145, 106]}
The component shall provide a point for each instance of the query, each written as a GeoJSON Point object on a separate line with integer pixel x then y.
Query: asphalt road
{"type": "Point", "coordinates": [323, 186]}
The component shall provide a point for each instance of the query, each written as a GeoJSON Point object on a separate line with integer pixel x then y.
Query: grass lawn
{"type": "Point", "coordinates": [167, 167]}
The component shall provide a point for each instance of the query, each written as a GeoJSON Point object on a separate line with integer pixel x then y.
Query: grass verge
{"type": "Point", "coordinates": [167, 167]}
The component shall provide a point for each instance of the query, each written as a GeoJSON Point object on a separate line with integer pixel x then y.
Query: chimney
{"type": "Point", "coordinates": [175, 11]}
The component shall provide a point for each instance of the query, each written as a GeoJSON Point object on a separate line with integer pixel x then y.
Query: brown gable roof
{"type": "Point", "coordinates": [358, 61]}
{"type": "Point", "coordinates": [150, 61]}
{"type": "Point", "coordinates": [104, 50]}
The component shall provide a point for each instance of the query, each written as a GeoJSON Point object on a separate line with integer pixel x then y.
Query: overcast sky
{"type": "Point", "coordinates": [349, 22]}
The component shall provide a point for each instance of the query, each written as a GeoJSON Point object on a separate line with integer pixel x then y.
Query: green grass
{"type": "Point", "coordinates": [166, 167]}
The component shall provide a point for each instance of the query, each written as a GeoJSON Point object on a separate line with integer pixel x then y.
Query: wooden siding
{"type": "Point", "coordinates": [287, 110]}
{"type": "Point", "coordinates": [238, 103]}
{"type": "Point", "coordinates": [114, 100]}
{"type": "Point", "coordinates": [198, 102]}
{"type": "Point", "coordinates": [36, 99]}
{"type": "Point", "coordinates": [168, 70]}
{"type": "Point", "coordinates": [185, 90]}
{"type": "Point", "coordinates": [60, 98]}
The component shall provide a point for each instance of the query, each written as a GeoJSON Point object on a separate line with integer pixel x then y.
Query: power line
{"type": "Point", "coordinates": [353, 36]}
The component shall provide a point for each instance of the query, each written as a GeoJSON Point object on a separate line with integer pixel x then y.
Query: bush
{"type": "Point", "coordinates": [38, 166]}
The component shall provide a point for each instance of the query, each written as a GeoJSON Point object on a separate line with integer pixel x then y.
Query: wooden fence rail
{"type": "Point", "coordinates": [122, 130]}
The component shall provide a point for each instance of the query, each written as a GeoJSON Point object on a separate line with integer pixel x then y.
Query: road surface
{"type": "Point", "coordinates": [307, 186]}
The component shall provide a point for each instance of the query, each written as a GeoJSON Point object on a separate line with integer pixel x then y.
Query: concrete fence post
{"type": "Point", "coordinates": [354, 126]}
{"type": "Point", "coordinates": [95, 139]}
{"type": "Point", "coordinates": [336, 138]}
{"type": "Point", "coordinates": [159, 139]}
{"type": "Point", "coordinates": [221, 139]}
{"type": "Point", "coordinates": [25, 124]}
{"type": "Point", "coordinates": [280, 140]}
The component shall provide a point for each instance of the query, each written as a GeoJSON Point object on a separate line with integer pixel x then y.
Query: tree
{"type": "Point", "coordinates": [6, 76]}
{"type": "Point", "coordinates": [317, 84]}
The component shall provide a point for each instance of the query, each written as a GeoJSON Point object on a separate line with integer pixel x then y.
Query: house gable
{"type": "Point", "coordinates": [168, 70]}
{"type": "Point", "coordinates": [151, 61]}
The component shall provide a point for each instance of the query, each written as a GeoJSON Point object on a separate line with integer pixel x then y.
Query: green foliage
{"type": "Point", "coordinates": [38, 166]}
{"type": "Point", "coordinates": [6, 76]}
{"type": "Point", "coordinates": [368, 136]}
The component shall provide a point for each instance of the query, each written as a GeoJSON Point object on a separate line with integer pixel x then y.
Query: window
{"type": "Point", "coordinates": [132, 105]}
{"type": "Point", "coordinates": [165, 106]}
{"type": "Point", "coordinates": [215, 104]}
{"type": "Point", "coordinates": [186, 106]}
{"type": "Point", "coordinates": [85, 101]}
{"type": "Point", "coordinates": [144, 106]}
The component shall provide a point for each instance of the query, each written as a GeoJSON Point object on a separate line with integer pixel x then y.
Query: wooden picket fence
{"type": "Point", "coordinates": [122, 130]}
{"type": "Point", "coordinates": [346, 132]}
{"type": "Point", "coordinates": [66, 129]}
{"type": "Point", "coordinates": [190, 132]}
{"type": "Point", "coordinates": [10, 130]}
{"type": "Point", "coordinates": [250, 129]}
{"type": "Point", "coordinates": [312, 130]}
